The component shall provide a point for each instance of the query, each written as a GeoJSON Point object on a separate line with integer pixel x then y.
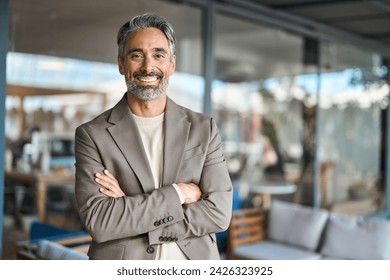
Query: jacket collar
{"type": "Point", "coordinates": [125, 133]}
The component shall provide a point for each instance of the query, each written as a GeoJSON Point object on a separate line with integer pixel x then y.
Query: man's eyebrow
{"type": "Point", "coordinates": [135, 50]}
{"type": "Point", "coordinates": [160, 50]}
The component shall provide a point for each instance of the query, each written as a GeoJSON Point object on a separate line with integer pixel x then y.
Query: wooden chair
{"type": "Point", "coordinates": [247, 226]}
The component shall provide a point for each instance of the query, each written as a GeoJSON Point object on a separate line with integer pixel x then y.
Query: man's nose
{"type": "Point", "coordinates": [148, 64]}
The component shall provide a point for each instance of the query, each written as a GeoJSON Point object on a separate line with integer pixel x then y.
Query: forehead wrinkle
{"type": "Point", "coordinates": [157, 49]}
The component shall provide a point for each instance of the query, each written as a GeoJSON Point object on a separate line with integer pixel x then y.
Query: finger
{"type": "Point", "coordinates": [108, 192]}
{"type": "Point", "coordinates": [111, 190]}
{"type": "Point", "coordinates": [102, 180]}
{"type": "Point", "coordinates": [107, 173]}
{"type": "Point", "coordinates": [107, 184]}
{"type": "Point", "coordinates": [114, 181]}
{"type": "Point", "coordinates": [106, 178]}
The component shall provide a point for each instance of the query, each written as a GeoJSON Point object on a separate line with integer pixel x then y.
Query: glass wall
{"type": "Point", "coordinates": [258, 99]}
{"type": "Point", "coordinates": [279, 115]}
{"type": "Point", "coordinates": [353, 97]}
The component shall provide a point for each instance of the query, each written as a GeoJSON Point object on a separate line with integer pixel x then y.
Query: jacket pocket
{"type": "Point", "coordinates": [106, 251]}
{"type": "Point", "coordinates": [213, 237]}
{"type": "Point", "coordinates": [193, 152]}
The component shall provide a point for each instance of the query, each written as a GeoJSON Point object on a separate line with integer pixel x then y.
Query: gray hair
{"type": "Point", "coordinates": [142, 22]}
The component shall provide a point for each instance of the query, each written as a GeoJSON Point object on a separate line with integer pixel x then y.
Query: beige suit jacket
{"type": "Point", "coordinates": [130, 227]}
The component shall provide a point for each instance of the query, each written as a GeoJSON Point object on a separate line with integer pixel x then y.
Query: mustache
{"type": "Point", "coordinates": [146, 74]}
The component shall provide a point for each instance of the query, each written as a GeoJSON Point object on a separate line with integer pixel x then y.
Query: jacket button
{"type": "Point", "coordinates": [165, 239]}
{"type": "Point", "coordinates": [161, 238]}
{"type": "Point", "coordinates": [161, 221]}
{"type": "Point", "coordinates": [156, 224]}
{"type": "Point", "coordinates": [170, 218]}
{"type": "Point", "coordinates": [166, 220]}
{"type": "Point", "coordinates": [150, 250]}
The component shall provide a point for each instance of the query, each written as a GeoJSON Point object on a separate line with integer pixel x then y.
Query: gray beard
{"type": "Point", "coordinates": [146, 92]}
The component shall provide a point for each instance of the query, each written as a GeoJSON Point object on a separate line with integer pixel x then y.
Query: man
{"type": "Point", "coordinates": [151, 180]}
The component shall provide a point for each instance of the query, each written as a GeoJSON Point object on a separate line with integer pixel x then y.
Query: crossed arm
{"type": "Point", "coordinates": [111, 188]}
{"type": "Point", "coordinates": [108, 213]}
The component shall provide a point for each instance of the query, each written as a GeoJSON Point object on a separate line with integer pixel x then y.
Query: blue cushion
{"type": "Point", "coordinates": [40, 230]}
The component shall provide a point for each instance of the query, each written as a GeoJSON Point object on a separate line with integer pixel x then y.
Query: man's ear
{"type": "Point", "coordinates": [121, 66]}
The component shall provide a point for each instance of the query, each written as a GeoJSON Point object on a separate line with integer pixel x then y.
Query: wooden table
{"type": "Point", "coordinates": [42, 181]}
{"type": "Point", "coordinates": [267, 189]}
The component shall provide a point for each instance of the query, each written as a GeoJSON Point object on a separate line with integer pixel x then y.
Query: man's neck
{"type": "Point", "coordinates": [147, 108]}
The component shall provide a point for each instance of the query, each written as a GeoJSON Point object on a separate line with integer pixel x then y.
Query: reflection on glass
{"type": "Point", "coordinates": [353, 97]}
{"type": "Point", "coordinates": [258, 103]}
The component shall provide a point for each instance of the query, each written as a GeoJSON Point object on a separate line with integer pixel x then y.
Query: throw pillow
{"type": "Point", "coordinates": [295, 224]}
{"type": "Point", "coordinates": [354, 237]}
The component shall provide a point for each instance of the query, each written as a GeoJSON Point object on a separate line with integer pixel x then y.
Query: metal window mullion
{"type": "Point", "coordinates": [208, 36]}
{"type": "Point", "coordinates": [3, 87]}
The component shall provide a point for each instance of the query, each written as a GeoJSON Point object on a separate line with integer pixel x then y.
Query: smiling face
{"type": "Point", "coordinates": [147, 63]}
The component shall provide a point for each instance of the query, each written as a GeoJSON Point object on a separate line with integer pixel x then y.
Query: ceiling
{"type": "Point", "coordinates": [366, 19]}
{"type": "Point", "coordinates": [84, 29]}
{"type": "Point", "coordinates": [87, 29]}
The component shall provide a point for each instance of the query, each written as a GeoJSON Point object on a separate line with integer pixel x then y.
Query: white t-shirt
{"type": "Point", "coordinates": [152, 135]}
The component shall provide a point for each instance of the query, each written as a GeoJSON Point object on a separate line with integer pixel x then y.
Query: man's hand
{"type": "Point", "coordinates": [110, 185]}
{"type": "Point", "coordinates": [190, 191]}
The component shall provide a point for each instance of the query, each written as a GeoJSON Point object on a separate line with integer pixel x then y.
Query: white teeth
{"type": "Point", "coordinates": [147, 80]}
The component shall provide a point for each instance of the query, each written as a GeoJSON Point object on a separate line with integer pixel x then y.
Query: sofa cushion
{"type": "Point", "coordinates": [296, 224]}
{"type": "Point", "coordinates": [269, 250]}
{"type": "Point", "coordinates": [354, 237]}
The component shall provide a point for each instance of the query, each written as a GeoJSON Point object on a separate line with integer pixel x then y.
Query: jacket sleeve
{"type": "Point", "coordinates": [108, 218]}
{"type": "Point", "coordinates": [213, 212]}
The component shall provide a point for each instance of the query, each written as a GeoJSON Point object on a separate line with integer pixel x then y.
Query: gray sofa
{"type": "Point", "coordinates": [299, 232]}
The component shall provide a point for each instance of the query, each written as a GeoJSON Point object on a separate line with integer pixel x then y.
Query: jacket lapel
{"type": "Point", "coordinates": [125, 134]}
{"type": "Point", "coordinates": [176, 132]}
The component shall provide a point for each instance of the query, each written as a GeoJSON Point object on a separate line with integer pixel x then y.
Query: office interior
{"type": "Point", "coordinates": [299, 90]}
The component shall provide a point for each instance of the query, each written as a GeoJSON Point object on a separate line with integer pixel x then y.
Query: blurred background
{"type": "Point", "coordinates": [299, 90]}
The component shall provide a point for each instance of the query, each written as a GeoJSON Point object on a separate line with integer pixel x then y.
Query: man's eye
{"type": "Point", "coordinates": [159, 56]}
{"type": "Point", "coordinates": [136, 56]}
